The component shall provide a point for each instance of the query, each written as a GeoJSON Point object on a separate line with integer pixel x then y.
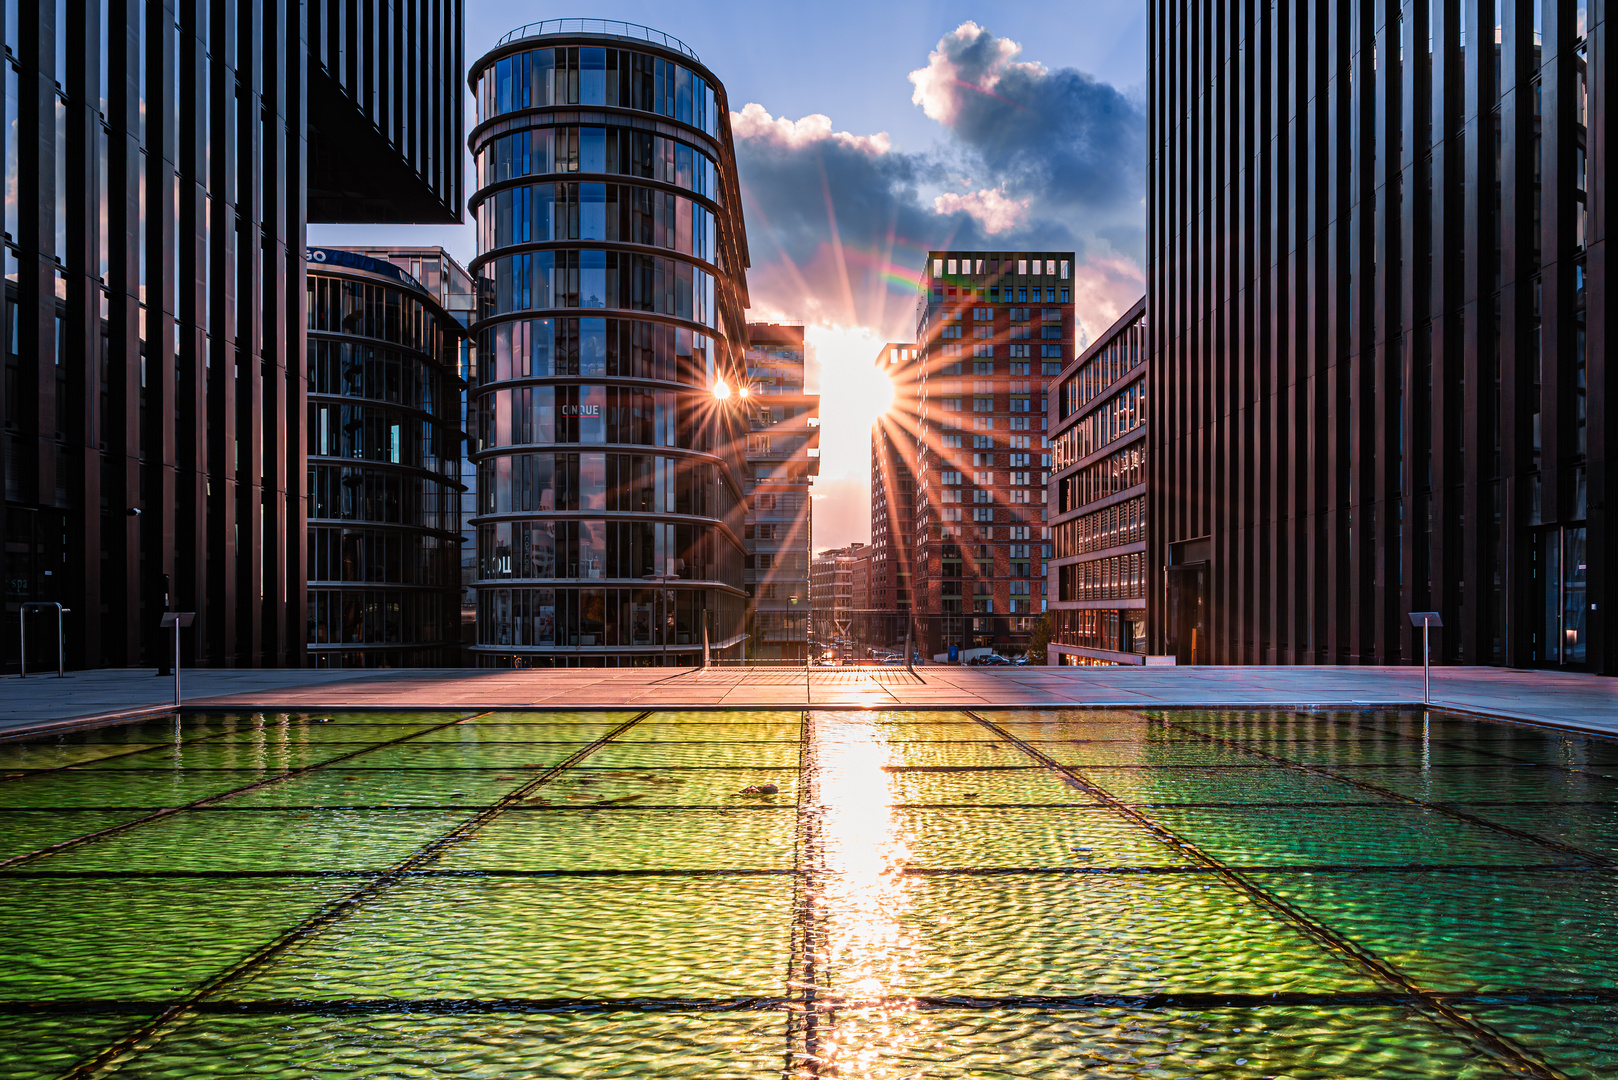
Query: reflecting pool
{"type": "Point", "coordinates": [869, 894]}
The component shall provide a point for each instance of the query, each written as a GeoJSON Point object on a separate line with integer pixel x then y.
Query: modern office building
{"type": "Point", "coordinates": [446, 279]}
{"type": "Point", "coordinates": [385, 435]}
{"type": "Point", "coordinates": [1097, 580]}
{"type": "Point", "coordinates": [159, 162]}
{"type": "Point", "coordinates": [893, 484]}
{"type": "Point", "coordinates": [1377, 303]}
{"type": "Point", "coordinates": [609, 435]}
{"type": "Point", "coordinates": [831, 591]}
{"type": "Point", "coordinates": [992, 327]}
{"type": "Point", "coordinates": [783, 459]}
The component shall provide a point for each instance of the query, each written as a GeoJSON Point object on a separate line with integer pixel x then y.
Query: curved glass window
{"type": "Point", "coordinates": [586, 75]}
{"type": "Point", "coordinates": [373, 433]}
{"type": "Point", "coordinates": [622, 213]}
{"type": "Point", "coordinates": [596, 549]}
{"type": "Point", "coordinates": [384, 617]}
{"type": "Point", "coordinates": [357, 370]}
{"type": "Point", "coordinates": [391, 556]}
{"type": "Point", "coordinates": [624, 348]}
{"type": "Point", "coordinates": [612, 149]}
{"type": "Point", "coordinates": [525, 415]}
{"type": "Point", "coordinates": [391, 496]}
{"type": "Point", "coordinates": [620, 483]}
{"type": "Point", "coordinates": [538, 415]}
{"type": "Point", "coordinates": [386, 313]}
{"type": "Point", "coordinates": [534, 280]}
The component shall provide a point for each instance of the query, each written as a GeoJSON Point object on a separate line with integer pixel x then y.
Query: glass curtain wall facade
{"type": "Point", "coordinates": [1097, 580]}
{"type": "Point", "coordinates": [1377, 301]}
{"type": "Point", "coordinates": [606, 420]}
{"type": "Point", "coordinates": [992, 328]}
{"type": "Point", "coordinates": [449, 282]}
{"type": "Point", "coordinates": [153, 394]}
{"type": "Point", "coordinates": [384, 424]}
{"type": "Point", "coordinates": [783, 459]}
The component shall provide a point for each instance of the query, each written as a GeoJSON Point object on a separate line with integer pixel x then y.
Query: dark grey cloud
{"type": "Point", "coordinates": [1070, 143]}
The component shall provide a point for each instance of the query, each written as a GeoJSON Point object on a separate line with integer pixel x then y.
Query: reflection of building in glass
{"type": "Point", "coordinates": [384, 458]}
{"type": "Point", "coordinates": [1098, 579]}
{"type": "Point", "coordinates": [1378, 295]}
{"type": "Point", "coordinates": [783, 458]}
{"type": "Point", "coordinates": [893, 486]}
{"type": "Point", "coordinates": [162, 163]}
{"type": "Point", "coordinates": [606, 421]}
{"type": "Point", "coordinates": [991, 328]}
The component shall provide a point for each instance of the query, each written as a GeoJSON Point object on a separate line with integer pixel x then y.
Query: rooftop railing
{"type": "Point", "coordinates": [605, 27]}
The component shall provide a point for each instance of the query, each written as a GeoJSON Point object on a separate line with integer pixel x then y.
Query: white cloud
{"type": "Point", "coordinates": [1104, 287]}
{"type": "Point", "coordinates": [990, 206]}
{"type": "Point", "coordinates": [755, 122]}
{"type": "Point", "coordinates": [968, 58]}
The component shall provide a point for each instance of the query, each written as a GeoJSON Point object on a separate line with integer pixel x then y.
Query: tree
{"type": "Point", "coordinates": [1042, 637]}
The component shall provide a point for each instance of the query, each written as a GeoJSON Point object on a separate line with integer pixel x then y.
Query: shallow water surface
{"type": "Point", "coordinates": [900, 894]}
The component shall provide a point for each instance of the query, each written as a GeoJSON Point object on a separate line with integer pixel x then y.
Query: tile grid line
{"type": "Point", "coordinates": [169, 811]}
{"type": "Point", "coordinates": [1444, 809]}
{"type": "Point", "coordinates": [803, 1019]}
{"type": "Point", "coordinates": [1495, 1045]}
{"type": "Point", "coordinates": [338, 909]}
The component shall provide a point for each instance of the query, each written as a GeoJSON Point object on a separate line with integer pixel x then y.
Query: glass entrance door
{"type": "Point", "coordinates": [1560, 598]}
{"type": "Point", "coordinates": [1188, 635]}
{"type": "Point", "coordinates": [1573, 596]}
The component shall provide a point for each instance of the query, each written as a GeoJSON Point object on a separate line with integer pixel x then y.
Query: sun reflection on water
{"type": "Point", "coordinates": [865, 945]}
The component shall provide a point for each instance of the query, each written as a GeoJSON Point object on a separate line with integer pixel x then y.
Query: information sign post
{"type": "Point", "coordinates": [1426, 620]}
{"type": "Point", "coordinates": [177, 619]}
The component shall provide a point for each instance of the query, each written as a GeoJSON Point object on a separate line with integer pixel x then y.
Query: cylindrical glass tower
{"type": "Point", "coordinates": [610, 271]}
{"type": "Point", "coordinates": [384, 467]}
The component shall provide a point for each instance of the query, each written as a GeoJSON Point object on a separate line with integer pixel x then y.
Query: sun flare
{"type": "Point", "coordinates": [853, 393]}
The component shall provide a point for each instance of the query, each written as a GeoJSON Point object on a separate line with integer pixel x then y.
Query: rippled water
{"type": "Point", "coordinates": [872, 894]}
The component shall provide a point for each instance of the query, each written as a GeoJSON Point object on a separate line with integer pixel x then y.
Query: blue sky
{"type": "Point", "coordinates": [869, 132]}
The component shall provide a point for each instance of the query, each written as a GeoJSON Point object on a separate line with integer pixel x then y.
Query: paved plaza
{"type": "Point", "coordinates": [1558, 699]}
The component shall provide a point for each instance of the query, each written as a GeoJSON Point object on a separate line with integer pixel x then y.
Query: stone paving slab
{"type": "Point", "coordinates": [1584, 702]}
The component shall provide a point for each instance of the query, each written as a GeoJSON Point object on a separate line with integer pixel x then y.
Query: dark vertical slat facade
{"type": "Point", "coordinates": [156, 157]}
{"type": "Point", "coordinates": [1376, 301]}
{"type": "Point", "coordinates": [385, 130]}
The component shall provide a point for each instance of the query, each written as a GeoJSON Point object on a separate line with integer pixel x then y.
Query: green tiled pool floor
{"type": "Point", "coordinates": [785, 894]}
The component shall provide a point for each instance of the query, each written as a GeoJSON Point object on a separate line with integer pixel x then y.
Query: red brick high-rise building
{"type": "Point", "coordinates": [992, 330]}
